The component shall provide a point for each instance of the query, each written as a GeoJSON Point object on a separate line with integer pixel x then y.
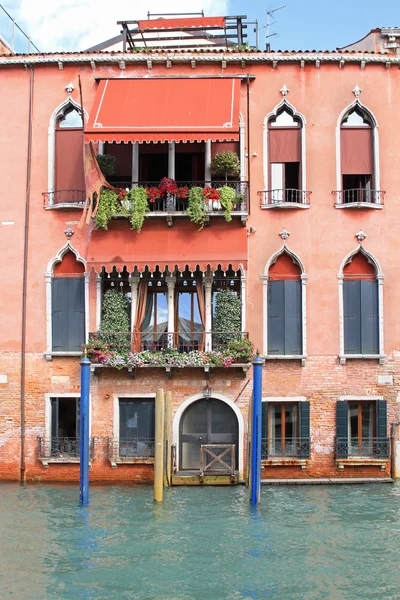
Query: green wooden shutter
{"type": "Point", "coordinates": [342, 429]}
{"type": "Point", "coordinates": [264, 431]}
{"type": "Point", "coordinates": [352, 316]}
{"type": "Point", "coordinates": [382, 445]}
{"type": "Point", "coordinates": [304, 429]}
{"type": "Point", "coordinates": [293, 329]}
{"type": "Point", "coordinates": [369, 317]}
{"type": "Point", "coordinates": [68, 314]}
{"type": "Point", "coordinates": [276, 318]}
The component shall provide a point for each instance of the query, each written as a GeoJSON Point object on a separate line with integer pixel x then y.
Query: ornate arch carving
{"type": "Point", "coordinates": [60, 255]}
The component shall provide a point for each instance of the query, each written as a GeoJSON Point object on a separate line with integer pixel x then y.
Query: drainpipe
{"type": "Point", "coordinates": [393, 448]}
{"type": "Point", "coordinates": [24, 276]}
{"type": "Point", "coordinates": [248, 142]}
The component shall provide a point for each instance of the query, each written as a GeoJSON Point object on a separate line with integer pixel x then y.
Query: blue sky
{"type": "Point", "coordinates": [303, 24]}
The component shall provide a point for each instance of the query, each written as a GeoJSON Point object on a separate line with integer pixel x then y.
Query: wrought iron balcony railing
{"type": "Point", "coordinates": [367, 447]}
{"type": "Point", "coordinates": [178, 202]}
{"type": "Point", "coordinates": [360, 196]}
{"type": "Point", "coordinates": [62, 447]}
{"type": "Point", "coordinates": [134, 447]}
{"type": "Point", "coordinates": [155, 341]}
{"type": "Point", "coordinates": [60, 197]}
{"type": "Point", "coordinates": [285, 448]}
{"type": "Point", "coordinates": [279, 197]}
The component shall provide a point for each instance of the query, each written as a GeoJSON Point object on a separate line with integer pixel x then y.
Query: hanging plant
{"type": "Point", "coordinates": [107, 164]}
{"type": "Point", "coordinates": [225, 163]}
{"type": "Point", "coordinates": [114, 321]}
{"type": "Point", "coordinates": [196, 208]}
{"type": "Point", "coordinates": [139, 206]}
{"type": "Point", "coordinates": [227, 199]}
{"type": "Point", "coordinates": [109, 206]}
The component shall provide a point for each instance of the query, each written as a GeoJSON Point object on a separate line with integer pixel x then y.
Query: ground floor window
{"type": "Point", "coordinates": [285, 430]}
{"type": "Point", "coordinates": [136, 427]}
{"type": "Point", "coordinates": [64, 434]}
{"type": "Point", "coordinates": [361, 429]}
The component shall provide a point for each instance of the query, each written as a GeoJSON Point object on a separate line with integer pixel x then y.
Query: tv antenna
{"type": "Point", "coordinates": [269, 23]}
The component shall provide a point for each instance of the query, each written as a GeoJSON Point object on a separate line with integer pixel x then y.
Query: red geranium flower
{"type": "Point", "coordinates": [168, 185]}
{"type": "Point", "coordinates": [210, 194]}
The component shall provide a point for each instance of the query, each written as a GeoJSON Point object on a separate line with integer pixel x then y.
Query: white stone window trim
{"type": "Point", "coordinates": [181, 409]}
{"type": "Point", "coordinates": [51, 144]}
{"type": "Point", "coordinates": [285, 104]}
{"type": "Point", "coordinates": [303, 278]}
{"type": "Point", "coordinates": [380, 277]}
{"type": "Point", "coordinates": [116, 398]}
{"type": "Point", "coordinates": [47, 424]}
{"type": "Point", "coordinates": [359, 398]}
{"type": "Point", "coordinates": [284, 399]}
{"type": "Point", "coordinates": [49, 276]}
{"type": "Point", "coordinates": [375, 145]}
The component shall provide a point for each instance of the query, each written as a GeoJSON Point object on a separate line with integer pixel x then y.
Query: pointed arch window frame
{"type": "Point", "coordinates": [380, 279]}
{"type": "Point", "coordinates": [285, 104]}
{"type": "Point", "coordinates": [51, 144]}
{"type": "Point", "coordinates": [357, 104]}
{"type": "Point", "coordinates": [303, 278]}
{"type": "Point", "coordinates": [49, 276]}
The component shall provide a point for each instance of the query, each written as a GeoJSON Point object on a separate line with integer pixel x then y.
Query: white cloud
{"type": "Point", "coordinates": [68, 25]}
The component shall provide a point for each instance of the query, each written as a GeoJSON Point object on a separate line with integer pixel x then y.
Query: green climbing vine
{"type": "Point", "coordinates": [196, 206]}
{"type": "Point", "coordinates": [227, 198]}
{"type": "Point", "coordinates": [137, 203]}
{"type": "Point", "coordinates": [109, 206]}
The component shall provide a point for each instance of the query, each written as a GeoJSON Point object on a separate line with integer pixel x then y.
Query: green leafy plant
{"type": "Point", "coordinates": [225, 163]}
{"type": "Point", "coordinates": [138, 204]}
{"type": "Point", "coordinates": [227, 198]}
{"type": "Point", "coordinates": [114, 321]}
{"type": "Point", "coordinates": [107, 164]}
{"type": "Point", "coordinates": [241, 350]}
{"type": "Point", "coordinates": [109, 206]}
{"type": "Point", "coordinates": [196, 206]}
{"type": "Point", "coordinates": [227, 317]}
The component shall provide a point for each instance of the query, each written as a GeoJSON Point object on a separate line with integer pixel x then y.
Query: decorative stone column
{"type": "Point", "coordinates": [98, 300]}
{"type": "Point", "coordinates": [49, 329]}
{"type": "Point", "coordinates": [208, 281]}
{"type": "Point", "coordinates": [207, 162]}
{"type": "Point", "coordinates": [171, 160]}
{"type": "Point", "coordinates": [87, 300]}
{"type": "Point", "coordinates": [135, 162]}
{"type": "Point", "coordinates": [134, 283]}
{"type": "Point", "coordinates": [171, 279]}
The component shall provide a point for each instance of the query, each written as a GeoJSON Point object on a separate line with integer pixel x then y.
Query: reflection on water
{"type": "Point", "coordinates": [305, 542]}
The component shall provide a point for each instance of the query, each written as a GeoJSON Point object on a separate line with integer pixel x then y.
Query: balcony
{"type": "Point", "coordinates": [131, 451]}
{"type": "Point", "coordinates": [59, 199]}
{"type": "Point", "coordinates": [61, 450]}
{"type": "Point", "coordinates": [366, 451]}
{"type": "Point", "coordinates": [285, 198]}
{"type": "Point", "coordinates": [169, 350]}
{"type": "Point", "coordinates": [359, 198]}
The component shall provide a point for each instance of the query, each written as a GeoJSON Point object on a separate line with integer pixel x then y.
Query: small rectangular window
{"type": "Point", "coordinates": [65, 427]}
{"type": "Point", "coordinates": [285, 430]}
{"type": "Point", "coordinates": [136, 427]}
{"type": "Point", "coordinates": [361, 429]}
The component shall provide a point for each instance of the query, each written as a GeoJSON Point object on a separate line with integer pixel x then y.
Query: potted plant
{"type": "Point", "coordinates": [225, 163]}
{"type": "Point", "coordinates": [109, 206]}
{"type": "Point", "coordinates": [212, 198]}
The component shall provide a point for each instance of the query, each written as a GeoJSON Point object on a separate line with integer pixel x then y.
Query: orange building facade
{"type": "Point", "coordinates": [309, 252]}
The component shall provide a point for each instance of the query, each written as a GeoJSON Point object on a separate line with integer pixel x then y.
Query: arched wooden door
{"type": "Point", "coordinates": [206, 422]}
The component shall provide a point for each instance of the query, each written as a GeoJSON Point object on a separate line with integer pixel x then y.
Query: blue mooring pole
{"type": "Point", "coordinates": [256, 430]}
{"type": "Point", "coordinates": [84, 433]}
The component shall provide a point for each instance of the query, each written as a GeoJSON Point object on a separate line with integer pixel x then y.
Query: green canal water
{"type": "Point", "coordinates": [308, 542]}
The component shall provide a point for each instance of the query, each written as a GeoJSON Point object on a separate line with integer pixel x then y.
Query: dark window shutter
{"type": "Point", "coordinates": [304, 429]}
{"type": "Point", "coordinates": [54, 417]}
{"type": "Point", "coordinates": [381, 419]}
{"type": "Point", "coordinates": [276, 317]}
{"type": "Point", "coordinates": [78, 417]}
{"type": "Point", "coordinates": [293, 332]}
{"type": "Point", "coordinates": [342, 429]}
{"type": "Point", "coordinates": [369, 317]}
{"type": "Point", "coordinates": [352, 316]}
{"type": "Point", "coordinates": [264, 431]}
{"type": "Point", "coordinates": [68, 314]}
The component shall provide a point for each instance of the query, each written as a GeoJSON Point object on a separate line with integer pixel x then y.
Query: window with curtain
{"type": "Point", "coordinates": [155, 322]}
{"type": "Point", "coordinates": [361, 429]}
{"type": "Point", "coordinates": [285, 429]}
{"type": "Point", "coordinates": [360, 307]}
{"type": "Point", "coordinates": [357, 157]}
{"type": "Point", "coordinates": [69, 174]}
{"type": "Point", "coordinates": [190, 315]}
{"type": "Point", "coordinates": [284, 134]}
{"type": "Point", "coordinates": [284, 308]}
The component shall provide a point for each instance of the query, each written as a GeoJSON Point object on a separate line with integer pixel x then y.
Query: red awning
{"type": "Point", "coordinates": [182, 23]}
{"type": "Point", "coordinates": [165, 110]}
{"type": "Point", "coordinates": [219, 244]}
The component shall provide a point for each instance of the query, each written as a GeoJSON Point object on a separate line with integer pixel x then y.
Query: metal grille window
{"type": "Point", "coordinates": [285, 430]}
{"type": "Point", "coordinates": [64, 427]}
{"type": "Point", "coordinates": [136, 427]}
{"type": "Point", "coordinates": [361, 429]}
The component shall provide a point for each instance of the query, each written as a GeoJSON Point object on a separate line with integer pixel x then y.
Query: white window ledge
{"type": "Point", "coordinates": [367, 205]}
{"type": "Point", "coordinates": [49, 355]}
{"type": "Point", "coordinates": [285, 205]}
{"type": "Point", "coordinates": [122, 460]}
{"type": "Point", "coordinates": [285, 462]}
{"type": "Point", "coordinates": [362, 462]}
{"type": "Point", "coordinates": [301, 357]}
{"type": "Point", "coordinates": [344, 357]}
{"type": "Point", "coordinates": [68, 460]}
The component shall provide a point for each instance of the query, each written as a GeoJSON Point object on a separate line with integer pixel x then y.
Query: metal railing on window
{"type": "Point", "coordinates": [360, 196]}
{"type": "Point", "coordinates": [367, 447]}
{"type": "Point", "coordinates": [284, 196]}
{"type": "Point", "coordinates": [178, 202]}
{"type": "Point", "coordinates": [57, 197]}
{"type": "Point", "coordinates": [135, 447]}
{"type": "Point", "coordinates": [285, 448]}
{"type": "Point", "coordinates": [62, 447]}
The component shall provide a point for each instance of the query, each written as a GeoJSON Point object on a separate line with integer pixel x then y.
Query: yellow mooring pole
{"type": "Point", "coordinates": [168, 440]}
{"type": "Point", "coordinates": [159, 447]}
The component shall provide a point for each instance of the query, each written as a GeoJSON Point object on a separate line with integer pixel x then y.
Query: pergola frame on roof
{"type": "Point", "coordinates": [231, 33]}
